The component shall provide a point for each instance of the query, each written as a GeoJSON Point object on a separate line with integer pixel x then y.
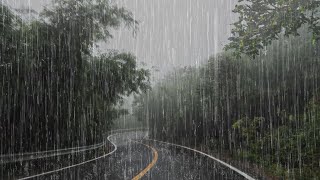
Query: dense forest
{"type": "Point", "coordinates": [55, 92]}
{"type": "Point", "coordinates": [259, 100]}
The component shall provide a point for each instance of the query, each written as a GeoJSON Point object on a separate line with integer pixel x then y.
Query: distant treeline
{"type": "Point", "coordinates": [259, 100]}
{"type": "Point", "coordinates": [265, 109]}
{"type": "Point", "coordinates": [54, 92]}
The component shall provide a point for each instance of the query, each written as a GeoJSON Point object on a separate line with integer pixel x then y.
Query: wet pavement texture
{"type": "Point", "coordinates": [132, 157]}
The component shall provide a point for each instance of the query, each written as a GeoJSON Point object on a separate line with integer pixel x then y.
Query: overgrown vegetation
{"type": "Point", "coordinates": [261, 21]}
{"type": "Point", "coordinates": [54, 92]}
{"type": "Point", "coordinates": [263, 109]}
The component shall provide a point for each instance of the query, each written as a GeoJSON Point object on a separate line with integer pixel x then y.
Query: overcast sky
{"type": "Point", "coordinates": [172, 33]}
{"type": "Point", "coordinates": [175, 33]}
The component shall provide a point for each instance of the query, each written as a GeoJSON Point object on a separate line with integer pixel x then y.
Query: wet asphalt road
{"type": "Point", "coordinates": [132, 157]}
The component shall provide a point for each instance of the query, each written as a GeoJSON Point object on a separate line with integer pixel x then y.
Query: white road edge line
{"type": "Point", "coordinates": [49, 151]}
{"type": "Point", "coordinates": [211, 157]}
{"type": "Point", "coordinates": [66, 149]}
{"type": "Point", "coordinates": [57, 151]}
{"type": "Point", "coordinates": [53, 154]}
{"type": "Point", "coordinates": [68, 167]}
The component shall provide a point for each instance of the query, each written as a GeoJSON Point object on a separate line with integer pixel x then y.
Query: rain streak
{"type": "Point", "coordinates": [159, 89]}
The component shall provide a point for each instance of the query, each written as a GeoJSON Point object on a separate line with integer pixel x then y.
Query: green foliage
{"type": "Point", "coordinates": [261, 22]}
{"type": "Point", "coordinates": [248, 128]}
{"type": "Point", "coordinates": [296, 147]}
{"type": "Point", "coordinates": [262, 110]}
{"type": "Point", "coordinates": [54, 91]}
{"type": "Point", "coordinates": [90, 21]}
{"type": "Point", "coordinates": [165, 108]}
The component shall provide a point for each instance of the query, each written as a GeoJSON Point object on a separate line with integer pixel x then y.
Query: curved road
{"type": "Point", "coordinates": [136, 157]}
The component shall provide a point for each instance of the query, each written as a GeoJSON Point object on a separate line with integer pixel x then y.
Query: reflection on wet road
{"type": "Point", "coordinates": [136, 157]}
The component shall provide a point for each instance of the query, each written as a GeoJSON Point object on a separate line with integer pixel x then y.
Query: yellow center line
{"type": "Point", "coordinates": [153, 162]}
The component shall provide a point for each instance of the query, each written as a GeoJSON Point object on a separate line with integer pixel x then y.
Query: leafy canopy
{"type": "Point", "coordinates": [90, 21]}
{"type": "Point", "coordinates": [261, 21]}
{"type": "Point", "coordinates": [47, 65]}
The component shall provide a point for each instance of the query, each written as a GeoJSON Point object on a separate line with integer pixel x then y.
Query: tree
{"type": "Point", "coordinates": [54, 92]}
{"type": "Point", "coordinates": [261, 21]}
{"type": "Point", "coordinates": [263, 110]}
